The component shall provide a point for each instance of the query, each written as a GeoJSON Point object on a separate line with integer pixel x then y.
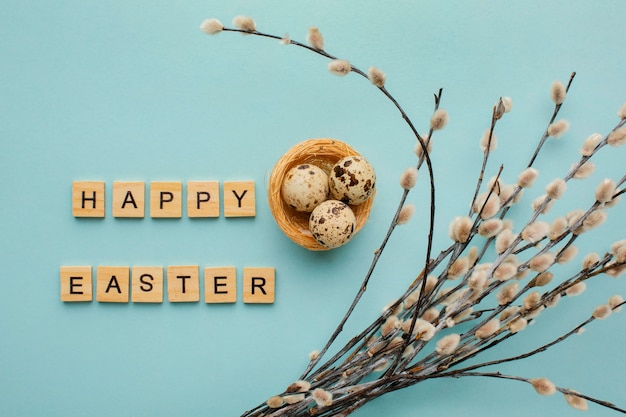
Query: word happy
{"type": "Point", "coordinates": [165, 200]}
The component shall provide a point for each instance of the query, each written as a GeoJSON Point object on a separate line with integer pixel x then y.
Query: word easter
{"type": "Point", "coordinates": [144, 284]}
{"type": "Point", "coordinates": [166, 199]}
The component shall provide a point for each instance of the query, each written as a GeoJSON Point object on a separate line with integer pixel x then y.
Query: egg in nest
{"type": "Point", "coordinates": [305, 186]}
{"type": "Point", "coordinates": [332, 223]}
{"type": "Point", "coordinates": [352, 180]}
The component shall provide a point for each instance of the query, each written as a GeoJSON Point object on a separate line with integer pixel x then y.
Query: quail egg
{"type": "Point", "coordinates": [352, 180]}
{"type": "Point", "coordinates": [332, 223]}
{"type": "Point", "coordinates": [304, 187]}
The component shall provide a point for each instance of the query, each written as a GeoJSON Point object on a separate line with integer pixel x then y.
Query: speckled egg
{"type": "Point", "coordinates": [304, 187]}
{"type": "Point", "coordinates": [332, 223]}
{"type": "Point", "coordinates": [352, 180]}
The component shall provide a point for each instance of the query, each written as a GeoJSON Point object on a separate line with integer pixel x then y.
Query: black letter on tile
{"type": "Point", "coordinates": [215, 285]}
{"type": "Point", "coordinates": [92, 199]}
{"type": "Point", "coordinates": [163, 200]}
{"type": "Point", "coordinates": [239, 198]}
{"type": "Point", "coordinates": [113, 284]}
{"type": "Point", "coordinates": [199, 200]}
{"type": "Point", "coordinates": [145, 279]}
{"type": "Point", "coordinates": [259, 286]}
{"type": "Point", "coordinates": [129, 199]}
{"type": "Point", "coordinates": [72, 285]}
{"type": "Point", "coordinates": [183, 278]}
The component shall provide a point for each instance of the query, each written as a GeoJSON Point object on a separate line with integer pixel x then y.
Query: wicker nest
{"type": "Point", "coordinates": [323, 153]}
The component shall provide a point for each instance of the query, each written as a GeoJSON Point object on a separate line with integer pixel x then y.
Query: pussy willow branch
{"type": "Point", "coordinates": [393, 224]}
{"type": "Point", "coordinates": [554, 114]}
{"type": "Point", "coordinates": [528, 381]}
{"type": "Point", "coordinates": [344, 376]}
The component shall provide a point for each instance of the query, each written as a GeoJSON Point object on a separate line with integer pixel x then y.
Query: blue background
{"type": "Point", "coordinates": [108, 90]}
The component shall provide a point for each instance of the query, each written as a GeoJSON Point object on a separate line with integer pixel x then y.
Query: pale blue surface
{"type": "Point", "coordinates": [133, 91]}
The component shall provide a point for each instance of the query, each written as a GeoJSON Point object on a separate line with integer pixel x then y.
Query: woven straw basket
{"type": "Point", "coordinates": [321, 152]}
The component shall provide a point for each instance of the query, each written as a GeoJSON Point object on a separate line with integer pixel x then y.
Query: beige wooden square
{"type": "Point", "coordinates": [147, 284]}
{"type": "Point", "coordinates": [239, 199]}
{"type": "Point", "coordinates": [88, 199]}
{"type": "Point", "coordinates": [166, 199]}
{"type": "Point", "coordinates": [203, 199]}
{"type": "Point", "coordinates": [76, 283]}
{"type": "Point", "coordinates": [220, 284]}
{"type": "Point", "coordinates": [258, 285]}
{"type": "Point", "coordinates": [129, 199]}
{"type": "Point", "coordinates": [183, 283]}
{"type": "Point", "coordinates": [112, 284]}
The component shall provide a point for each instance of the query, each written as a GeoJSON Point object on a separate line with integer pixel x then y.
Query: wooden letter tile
{"type": "Point", "coordinates": [128, 199]}
{"type": "Point", "coordinates": [166, 199]}
{"type": "Point", "coordinates": [88, 199]}
{"type": "Point", "coordinates": [239, 199]}
{"type": "Point", "coordinates": [183, 284]}
{"type": "Point", "coordinates": [76, 283]}
{"type": "Point", "coordinates": [112, 284]}
{"type": "Point", "coordinates": [220, 285]}
{"type": "Point", "coordinates": [147, 284]}
{"type": "Point", "coordinates": [258, 285]}
{"type": "Point", "coordinates": [203, 199]}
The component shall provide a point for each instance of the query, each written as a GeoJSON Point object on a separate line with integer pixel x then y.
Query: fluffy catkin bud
{"type": "Point", "coordinates": [590, 260]}
{"type": "Point", "coordinates": [542, 262]}
{"type": "Point", "coordinates": [576, 402]}
{"type": "Point", "coordinates": [488, 142]}
{"type": "Point", "coordinates": [535, 231]}
{"type": "Point", "coordinates": [507, 102]}
{"type": "Point", "coordinates": [490, 228]}
{"type": "Point", "coordinates": [488, 329]}
{"type": "Point", "coordinates": [505, 272]}
{"type": "Point", "coordinates": [322, 398]}
{"type": "Point", "coordinates": [376, 77]}
{"type": "Point", "coordinates": [557, 92]}
{"type": "Point", "coordinates": [504, 239]}
{"type": "Point", "coordinates": [274, 402]}
{"type": "Point", "coordinates": [605, 191]}
{"type": "Point", "coordinates": [406, 212]}
{"type": "Point", "coordinates": [557, 227]}
{"type": "Point", "coordinates": [339, 67]}
{"type": "Point", "coordinates": [419, 150]}
{"type": "Point", "coordinates": [556, 188]}
{"type": "Point", "coordinates": [458, 268]}
{"type": "Point", "coordinates": [527, 177]}
{"type": "Point", "coordinates": [584, 170]}
{"type": "Point", "coordinates": [244, 23]}
{"type": "Point", "coordinates": [211, 26]}
{"type": "Point", "coordinates": [576, 289]}
{"type": "Point", "coordinates": [615, 301]}
{"type": "Point", "coordinates": [618, 249]}
{"type": "Point", "coordinates": [558, 128]}
{"type": "Point", "coordinates": [531, 300]}
{"type": "Point", "coordinates": [408, 178]}
{"type": "Point", "coordinates": [594, 219]}
{"type": "Point", "coordinates": [567, 255]}
{"type": "Point", "coordinates": [447, 344]}
{"type": "Point", "coordinates": [621, 113]}
{"type": "Point", "coordinates": [507, 293]}
{"type": "Point", "coordinates": [293, 398]}
{"type": "Point", "coordinates": [541, 201]}
{"type": "Point", "coordinates": [543, 386]}
{"type": "Point", "coordinates": [487, 205]}
{"type": "Point", "coordinates": [439, 119]}
{"type": "Point", "coordinates": [617, 137]}
{"type": "Point", "coordinates": [542, 279]}
{"type": "Point", "coordinates": [299, 386]}
{"type": "Point", "coordinates": [518, 325]}
{"type": "Point", "coordinates": [602, 311]}
{"type": "Point", "coordinates": [315, 39]}
{"type": "Point", "coordinates": [589, 145]}
{"type": "Point", "coordinates": [460, 229]}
